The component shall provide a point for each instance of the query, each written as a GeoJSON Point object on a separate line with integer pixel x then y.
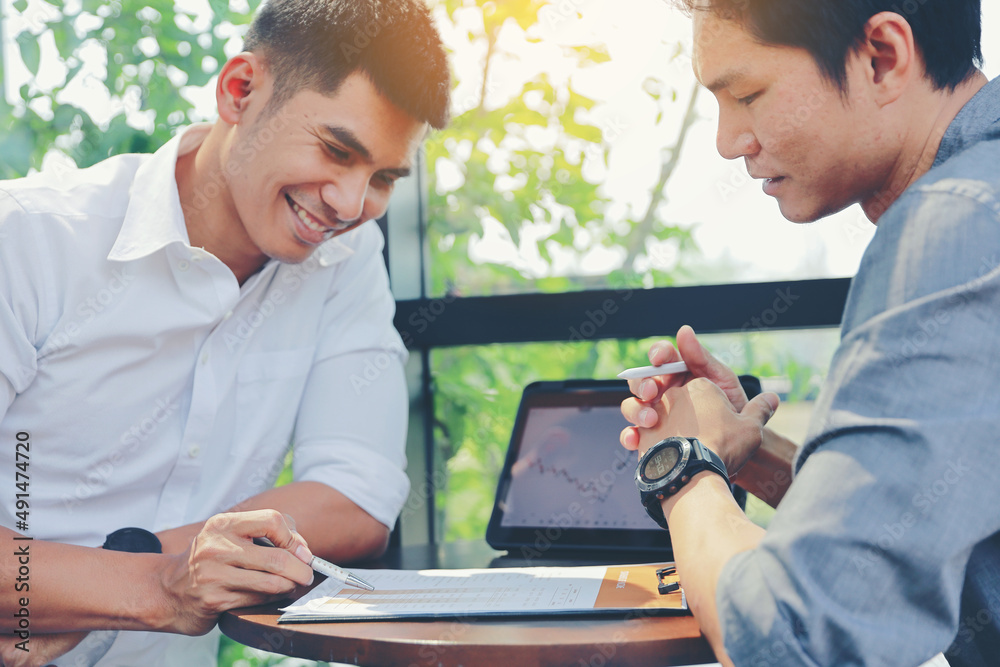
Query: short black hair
{"type": "Point", "coordinates": [948, 33]}
{"type": "Point", "coordinates": [316, 44]}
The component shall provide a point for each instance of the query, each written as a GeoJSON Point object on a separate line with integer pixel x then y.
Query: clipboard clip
{"type": "Point", "coordinates": [663, 587]}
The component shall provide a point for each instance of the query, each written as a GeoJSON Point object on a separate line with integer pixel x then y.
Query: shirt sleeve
{"type": "Point", "coordinates": [865, 559]}
{"type": "Point", "coordinates": [19, 299]}
{"type": "Point", "coordinates": [351, 429]}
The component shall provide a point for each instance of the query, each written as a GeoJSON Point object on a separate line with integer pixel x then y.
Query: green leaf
{"type": "Point", "coordinates": [64, 116]}
{"type": "Point", "coordinates": [31, 54]}
{"type": "Point", "coordinates": [15, 147]}
{"type": "Point", "coordinates": [220, 8]}
{"type": "Point", "coordinates": [20, 5]}
{"type": "Point", "coordinates": [66, 39]}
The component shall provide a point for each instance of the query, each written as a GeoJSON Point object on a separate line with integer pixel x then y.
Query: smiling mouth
{"type": "Point", "coordinates": [307, 219]}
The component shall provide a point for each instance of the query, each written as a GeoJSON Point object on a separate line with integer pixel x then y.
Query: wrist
{"type": "Point", "coordinates": [134, 598]}
{"type": "Point", "coordinates": [177, 540]}
{"type": "Point", "coordinates": [705, 482]}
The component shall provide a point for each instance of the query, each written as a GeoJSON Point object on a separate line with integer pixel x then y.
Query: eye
{"type": "Point", "coordinates": [338, 153]}
{"type": "Point", "coordinates": [748, 100]}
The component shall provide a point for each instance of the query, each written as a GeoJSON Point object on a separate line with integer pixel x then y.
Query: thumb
{"type": "Point", "coordinates": [761, 407]}
{"type": "Point", "coordinates": [701, 363]}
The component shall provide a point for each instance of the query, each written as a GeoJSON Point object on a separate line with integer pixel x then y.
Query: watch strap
{"type": "Point", "coordinates": [133, 540]}
{"type": "Point", "coordinates": [703, 459]}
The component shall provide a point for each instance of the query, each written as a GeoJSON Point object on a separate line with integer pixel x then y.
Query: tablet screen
{"type": "Point", "coordinates": [567, 482]}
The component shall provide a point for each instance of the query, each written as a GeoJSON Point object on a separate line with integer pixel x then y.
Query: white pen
{"type": "Point", "coordinates": [650, 371]}
{"type": "Point", "coordinates": [327, 568]}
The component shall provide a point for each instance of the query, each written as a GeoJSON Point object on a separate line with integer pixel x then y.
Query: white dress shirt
{"type": "Point", "coordinates": [157, 391]}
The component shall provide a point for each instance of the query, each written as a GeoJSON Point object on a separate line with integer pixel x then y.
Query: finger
{"type": "Point", "coordinates": [306, 553]}
{"type": "Point", "coordinates": [645, 389]}
{"type": "Point", "coordinates": [239, 529]}
{"type": "Point", "coordinates": [277, 561]}
{"type": "Point", "coordinates": [761, 408]}
{"type": "Point", "coordinates": [701, 363]}
{"type": "Point", "coordinates": [246, 587]}
{"type": "Point", "coordinates": [280, 530]}
{"type": "Point", "coordinates": [639, 413]}
{"type": "Point", "coordinates": [650, 390]}
{"type": "Point", "coordinates": [630, 438]}
{"type": "Point", "coordinates": [663, 352]}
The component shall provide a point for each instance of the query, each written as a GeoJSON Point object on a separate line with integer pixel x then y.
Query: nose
{"type": "Point", "coordinates": [735, 137]}
{"type": "Point", "coordinates": [346, 196]}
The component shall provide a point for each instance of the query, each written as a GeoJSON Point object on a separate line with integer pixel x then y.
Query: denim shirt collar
{"type": "Point", "coordinates": [979, 120]}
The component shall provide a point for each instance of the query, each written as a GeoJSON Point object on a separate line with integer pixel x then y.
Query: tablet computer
{"type": "Point", "coordinates": [567, 485]}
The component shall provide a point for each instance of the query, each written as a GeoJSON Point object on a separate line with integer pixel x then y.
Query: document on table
{"type": "Point", "coordinates": [401, 594]}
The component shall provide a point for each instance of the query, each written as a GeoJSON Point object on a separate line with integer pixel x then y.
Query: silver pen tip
{"type": "Point", "coordinates": [359, 582]}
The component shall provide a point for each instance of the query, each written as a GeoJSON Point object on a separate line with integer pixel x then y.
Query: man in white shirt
{"type": "Point", "coordinates": [169, 321]}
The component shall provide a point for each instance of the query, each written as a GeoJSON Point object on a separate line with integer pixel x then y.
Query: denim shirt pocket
{"type": "Point", "coordinates": [269, 388]}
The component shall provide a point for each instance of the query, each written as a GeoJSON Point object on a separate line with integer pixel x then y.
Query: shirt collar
{"type": "Point", "coordinates": [979, 120]}
{"type": "Point", "coordinates": [154, 218]}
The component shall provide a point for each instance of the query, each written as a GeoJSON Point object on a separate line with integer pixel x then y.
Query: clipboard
{"type": "Point", "coordinates": [482, 593]}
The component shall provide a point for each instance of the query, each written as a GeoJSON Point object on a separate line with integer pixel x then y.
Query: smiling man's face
{"type": "Point", "coordinates": [318, 167]}
{"type": "Point", "coordinates": [816, 150]}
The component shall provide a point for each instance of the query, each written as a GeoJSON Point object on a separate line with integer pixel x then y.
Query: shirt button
{"type": "Point", "coordinates": [227, 315]}
{"type": "Point", "coordinates": [194, 451]}
{"type": "Point", "coordinates": [204, 358]}
{"type": "Point", "coordinates": [183, 265]}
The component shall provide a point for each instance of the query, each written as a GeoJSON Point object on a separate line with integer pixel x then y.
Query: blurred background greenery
{"type": "Point", "coordinates": [526, 187]}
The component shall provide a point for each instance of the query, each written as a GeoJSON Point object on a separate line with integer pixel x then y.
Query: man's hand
{"type": "Point", "coordinates": [43, 648]}
{"type": "Point", "coordinates": [700, 409]}
{"type": "Point", "coordinates": [223, 569]}
{"type": "Point", "coordinates": [700, 363]}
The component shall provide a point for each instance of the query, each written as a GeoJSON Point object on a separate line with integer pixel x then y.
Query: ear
{"type": "Point", "coordinates": [241, 80]}
{"type": "Point", "coordinates": [890, 55]}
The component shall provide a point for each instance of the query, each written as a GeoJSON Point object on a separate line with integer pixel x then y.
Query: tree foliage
{"type": "Point", "coordinates": [138, 59]}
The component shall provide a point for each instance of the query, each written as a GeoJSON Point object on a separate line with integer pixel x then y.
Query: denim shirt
{"type": "Point", "coordinates": [886, 549]}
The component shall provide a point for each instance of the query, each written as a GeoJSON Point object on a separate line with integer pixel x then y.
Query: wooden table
{"type": "Point", "coordinates": [578, 642]}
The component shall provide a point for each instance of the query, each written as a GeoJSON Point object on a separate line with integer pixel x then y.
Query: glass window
{"type": "Point", "coordinates": [582, 154]}
{"type": "Point", "coordinates": [477, 391]}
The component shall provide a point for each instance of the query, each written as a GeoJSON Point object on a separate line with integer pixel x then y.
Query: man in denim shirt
{"type": "Point", "coordinates": [885, 550]}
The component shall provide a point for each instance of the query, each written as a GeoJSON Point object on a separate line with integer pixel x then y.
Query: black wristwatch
{"type": "Point", "coordinates": [133, 540]}
{"type": "Point", "coordinates": [669, 465]}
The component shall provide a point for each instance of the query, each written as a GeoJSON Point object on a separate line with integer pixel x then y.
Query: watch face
{"type": "Point", "coordinates": [661, 463]}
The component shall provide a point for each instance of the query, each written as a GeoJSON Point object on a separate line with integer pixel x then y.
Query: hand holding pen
{"type": "Point", "coordinates": [327, 568]}
{"type": "Point", "coordinates": [650, 382]}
